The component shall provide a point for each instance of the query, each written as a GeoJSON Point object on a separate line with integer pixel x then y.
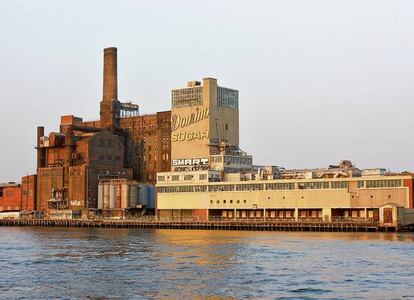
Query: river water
{"type": "Point", "coordinates": [56, 263]}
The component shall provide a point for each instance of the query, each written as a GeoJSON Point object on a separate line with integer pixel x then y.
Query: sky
{"type": "Point", "coordinates": [319, 81]}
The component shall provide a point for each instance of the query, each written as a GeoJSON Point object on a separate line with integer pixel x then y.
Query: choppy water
{"type": "Point", "coordinates": [46, 263]}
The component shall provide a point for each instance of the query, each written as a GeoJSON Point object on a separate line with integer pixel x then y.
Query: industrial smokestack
{"type": "Point", "coordinates": [40, 151]}
{"type": "Point", "coordinates": [110, 77]}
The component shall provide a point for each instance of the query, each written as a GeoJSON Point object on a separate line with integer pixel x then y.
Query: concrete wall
{"type": "Point", "coordinates": [378, 197]}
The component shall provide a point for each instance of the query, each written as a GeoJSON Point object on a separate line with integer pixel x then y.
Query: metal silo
{"type": "Point", "coordinates": [118, 195]}
{"type": "Point", "coordinates": [133, 195]}
{"type": "Point", "coordinates": [143, 194]}
{"type": "Point", "coordinates": [106, 196]}
{"type": "Point", "coordinates": [111, 196]}
{"type": "Point", "coordinates": [151, 196]}
{"type": "Point", "coordinates": [124, 195]}
{"type": "Point", "coordinates": [100, 196]}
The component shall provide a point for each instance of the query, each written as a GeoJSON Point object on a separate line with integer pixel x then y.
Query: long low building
{"type": "Point", "coordinates": [326, 199]}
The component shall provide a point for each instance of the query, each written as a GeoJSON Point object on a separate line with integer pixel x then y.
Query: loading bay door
{"type": "Point", "coordinates": [387, 215]}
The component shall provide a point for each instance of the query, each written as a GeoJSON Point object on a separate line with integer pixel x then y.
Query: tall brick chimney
{"type": "Point", "coordinates": [110, 106]}
{"type": "Point", "coordinates": [40, 151]}
{"type": "Point", "coordinates": [110, 75]}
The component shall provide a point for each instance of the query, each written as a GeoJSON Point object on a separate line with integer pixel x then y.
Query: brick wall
{"type": "Point", "coordinates": [11, 198]}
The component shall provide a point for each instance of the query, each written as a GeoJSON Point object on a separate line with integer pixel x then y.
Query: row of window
{"type": "Point", "coordinates": [187, 97]}
{"type": "Point", "coordinates": [187, 177]}
{"type": "Point", "coordinates": [275, 186]}
{"type": "Point", "coordinates": [236, 170]}
{"type": "Point", "coordinates": [211, 188]}
{"type": "Point", "coordinates": [220, 187]}
{"type": "Point", "coordinates": [249, 187]}
{"type": "Point", "coordinates": [314, 185]}
{"type": "Point", "coordinates": [339, 185]}
{"type": "Point", "coordinates": [237, 160]}
{"type": "Point", "coordinates": [231, 160]}
{"type": "Point", "coordinates": [182, 189]}
{"type": "Point", "coordinates": [383, 183]}
{"type": "Point", "coordinates": [280, 186]}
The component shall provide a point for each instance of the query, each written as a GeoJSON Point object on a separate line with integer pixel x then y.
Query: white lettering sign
{"type": "Point", "coordinates": [190, 162]}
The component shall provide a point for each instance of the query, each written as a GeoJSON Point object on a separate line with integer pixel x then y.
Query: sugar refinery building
{"type": "Point", "coordinates": [212, 178]}
{"type": "Point", "coordinates": [191, 154]}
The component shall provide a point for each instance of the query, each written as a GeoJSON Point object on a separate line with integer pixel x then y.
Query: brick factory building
{"type": "Point", "coordinates": [17, 197]}
{"type": "Point", "coordinates": [146, 138]}
{"type": "Point", "coordinates": [10, 197]}
{"type": "Point", "coordinates": [120, 145]}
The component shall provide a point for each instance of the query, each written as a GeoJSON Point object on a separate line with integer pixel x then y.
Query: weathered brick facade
{"type": "Point", "coordinates": [10, 197]}
{"type": "Point", "coordinates": [15, 197]}
{"type": "Point", "coordinates": [149, 144]}
{"type": "Point", "coordinates": [29, 192]}
{"type": "Point", "coordinates": [74, 175]}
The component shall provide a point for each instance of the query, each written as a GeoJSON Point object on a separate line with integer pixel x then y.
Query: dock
{"type": "Point", "coordinates": [256, 225]}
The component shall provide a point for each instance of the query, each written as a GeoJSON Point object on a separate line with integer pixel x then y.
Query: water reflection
{"type": "Point", "coordinates": [126, 263]}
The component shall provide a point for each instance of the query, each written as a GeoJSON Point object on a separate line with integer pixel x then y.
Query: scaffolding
{"type": "Point", "coordinates": [128, 110]}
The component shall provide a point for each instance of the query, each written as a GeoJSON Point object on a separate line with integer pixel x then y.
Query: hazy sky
{"type": "Point", "coordinates": [319, 80]}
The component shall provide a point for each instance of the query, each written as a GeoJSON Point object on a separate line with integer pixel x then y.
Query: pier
{"type": "Point", "coordinates": [253, 225]}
